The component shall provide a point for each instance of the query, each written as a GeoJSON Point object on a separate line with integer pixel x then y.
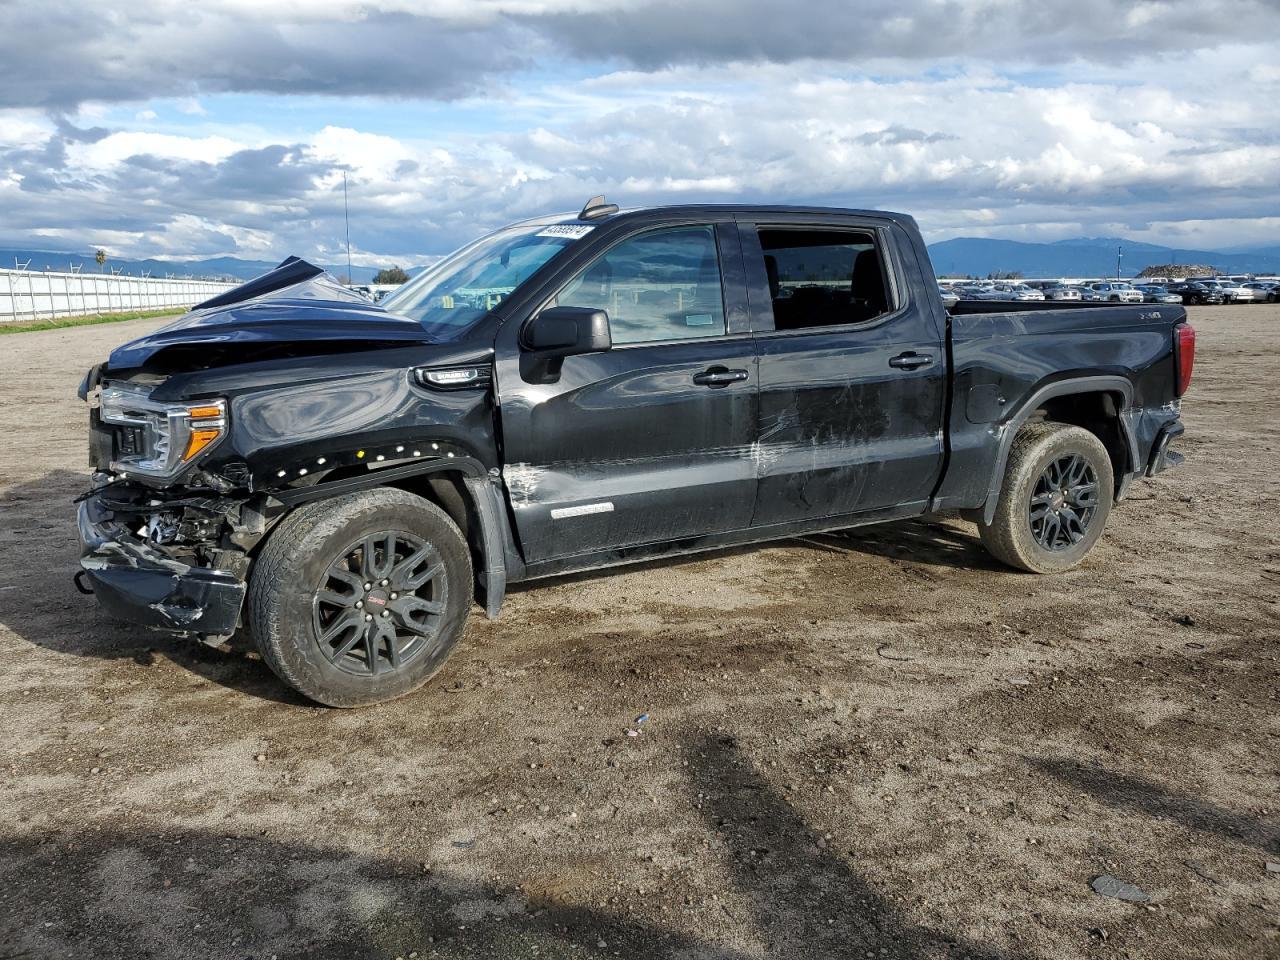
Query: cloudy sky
{"type": "Point", "coordinates": [167, 128]}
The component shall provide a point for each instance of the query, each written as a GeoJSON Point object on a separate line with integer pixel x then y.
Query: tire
{"type": "Point", "coordinates": [345, 573]}
{"type": "Point", "coordinates": [1019, 532]}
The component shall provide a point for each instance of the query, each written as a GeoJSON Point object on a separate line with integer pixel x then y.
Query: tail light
{"type": "Point", "coordinates": [1184, 355]}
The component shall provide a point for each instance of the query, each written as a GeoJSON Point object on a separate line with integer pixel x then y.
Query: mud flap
{"type": "Point", "coordinates": [494, 577]}
{"type": "Point", "coordinates": [1161, 456]}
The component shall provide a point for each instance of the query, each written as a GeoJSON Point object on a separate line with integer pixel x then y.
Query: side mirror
{"type": "Point", "coordinates": [567, 332]}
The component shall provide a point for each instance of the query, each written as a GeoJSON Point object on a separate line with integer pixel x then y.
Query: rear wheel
{"type": "Point", "coordinates": [1055, 499]}
{"type": "Point", "coordinates": [361, 598]}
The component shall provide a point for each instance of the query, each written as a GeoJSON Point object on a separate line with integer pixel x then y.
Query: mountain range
{"type": "Point", "coordinates": [963, 256]}
{"type": "Point", "coordinates": [215, 268]}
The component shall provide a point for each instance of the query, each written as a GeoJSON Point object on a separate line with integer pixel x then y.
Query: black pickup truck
{"type": "Point", "coordinates": [574, 392]}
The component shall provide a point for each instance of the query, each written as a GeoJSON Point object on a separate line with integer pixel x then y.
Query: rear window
{"type": "Point", "coordinates": [824, 278]}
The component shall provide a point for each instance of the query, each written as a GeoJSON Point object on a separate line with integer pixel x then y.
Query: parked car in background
{"type": "Point", "coordinates": [1263, 289]}
{"type": "Point", "coordinates": [1195, 293]}
{"type": "Point", "coordinates": [1063, 293]}
{"type": "Point", "coordinates": [1153, 293]}
{"type": "Point", "coordinates": [1234, 292]}
{"type": "Point", "coordinates": [1009, 291]}
{"type": "Point", "coordinates": [1021, 291]}
{"type": "Point", "coordinates": [949, 298]}
{"type": "Point", "coordinates": [1117, 292]}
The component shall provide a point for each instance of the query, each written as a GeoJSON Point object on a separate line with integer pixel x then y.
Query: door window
{"type": "Point", "coordinates": [663, 285]}
{"type": "Point", "coordinates": [823, 278]}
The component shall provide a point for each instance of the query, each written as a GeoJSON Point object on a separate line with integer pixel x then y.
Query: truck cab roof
{"type": "Point", "coordinates": [696, 211]}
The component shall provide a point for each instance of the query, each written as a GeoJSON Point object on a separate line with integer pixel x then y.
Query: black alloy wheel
{"type": "Point", "coordinates": [381, 603]}
{"type": "Point", "coordinates": [1063, 502]}
{"type": "Point", "coordinates": [1054, 500]}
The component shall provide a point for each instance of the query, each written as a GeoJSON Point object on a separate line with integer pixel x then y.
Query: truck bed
{"type": "Point", "coordinates": [1005, 355]}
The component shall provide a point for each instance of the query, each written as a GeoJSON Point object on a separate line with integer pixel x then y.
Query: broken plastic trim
{"type": "Point", "coordinates": [136, 583]}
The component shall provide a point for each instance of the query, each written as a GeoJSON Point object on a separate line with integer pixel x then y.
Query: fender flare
{"type": "Point", "coordinates": [480, 486]}
{"type": "Point", "coordinates": [1059, 388]}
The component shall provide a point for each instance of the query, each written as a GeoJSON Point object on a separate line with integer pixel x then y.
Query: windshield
{"type": "Point", "coordinates": [451, 295]}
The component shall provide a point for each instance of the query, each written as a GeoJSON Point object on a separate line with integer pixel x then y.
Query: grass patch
{"type": "Point", "coordinates": [26, 326]}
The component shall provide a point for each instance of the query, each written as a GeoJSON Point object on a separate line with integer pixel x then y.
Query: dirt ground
{"type": "Point", "coordinates": [878, 744]}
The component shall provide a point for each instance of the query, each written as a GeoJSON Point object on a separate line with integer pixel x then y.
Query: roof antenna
{"type": "Point", "coordinates": [596, 208]}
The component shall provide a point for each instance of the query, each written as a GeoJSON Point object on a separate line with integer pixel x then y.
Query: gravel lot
{"type": "Point", "coordinates": [878, 744]}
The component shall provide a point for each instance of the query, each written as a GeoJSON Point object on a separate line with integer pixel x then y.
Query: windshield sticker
{"type": "Point", "coordinates": [571, 231]}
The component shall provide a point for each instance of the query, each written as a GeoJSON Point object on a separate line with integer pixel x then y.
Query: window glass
{"type": "Point", "coordinates": [823, 278]}
{"type": "Point", "coordinates": [453, 294]}
{"type": "Point", "coordinates": [663, 285]}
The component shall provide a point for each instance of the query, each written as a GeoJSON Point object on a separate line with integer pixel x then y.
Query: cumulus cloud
{"type": "Point", "coordinates": [75, 51]}
{"type": "Point", "coordinates": [996, 117]}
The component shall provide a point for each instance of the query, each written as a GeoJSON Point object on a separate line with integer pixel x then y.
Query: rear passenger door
{"type": "Point", "coordinates": [852, 370]}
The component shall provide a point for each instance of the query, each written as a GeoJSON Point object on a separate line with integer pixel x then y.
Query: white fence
{"type": "Point", "coordinates": [29, 295]}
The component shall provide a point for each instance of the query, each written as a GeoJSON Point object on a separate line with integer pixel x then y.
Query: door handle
{"type": "Point", "coordinates": [910, 360]}
{"type": "Point", "coordinates": [719, 377]}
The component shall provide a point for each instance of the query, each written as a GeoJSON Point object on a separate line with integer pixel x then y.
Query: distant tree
{"type": "Point", "coordinates": [100, 258]}
{"type": "Point", "coordinates": [391, 275]}
{"type": "Point", "coordinates": [1005, 275]}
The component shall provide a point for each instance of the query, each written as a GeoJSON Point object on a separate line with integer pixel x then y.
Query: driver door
{"type": "Point", "coordinates": [651, 440]}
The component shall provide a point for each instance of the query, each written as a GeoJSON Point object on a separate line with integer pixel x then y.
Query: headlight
{"type": "Point", "coordinates": [156, 439]}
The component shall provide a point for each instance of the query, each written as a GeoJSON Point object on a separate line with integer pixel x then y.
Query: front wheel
{"type": "Point", "coordinates": [361, 598]}
{"type": "Point", "coordinates": [1055, 499]}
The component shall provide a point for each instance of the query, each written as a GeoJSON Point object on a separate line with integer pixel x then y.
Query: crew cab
{"type": "Point", "coordinates": [568, 393]}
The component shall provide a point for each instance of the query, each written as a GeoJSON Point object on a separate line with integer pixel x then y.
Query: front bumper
{"type": "Point", "coordinates": [136, 582]}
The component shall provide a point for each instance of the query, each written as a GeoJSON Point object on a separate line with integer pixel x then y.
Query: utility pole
{"type": "Point", "coordinates": [1119, 254]}
{"type": "Point", "coordinates": [346, 216]}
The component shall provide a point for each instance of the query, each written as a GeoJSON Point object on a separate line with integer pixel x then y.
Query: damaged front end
{"type": "Point", "coordinates": [174, 559]}
{"type": "Point", "coordinates": [164, 542]}
{"type": "Point", "coordinates": [204, 433]}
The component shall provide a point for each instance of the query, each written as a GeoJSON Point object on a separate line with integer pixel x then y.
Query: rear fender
{"type": "Point", "coordinates": [1062, 388]}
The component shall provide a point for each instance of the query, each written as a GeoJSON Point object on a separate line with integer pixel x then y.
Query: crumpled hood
{"type": "Point", "coordinates": [297, 302]}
